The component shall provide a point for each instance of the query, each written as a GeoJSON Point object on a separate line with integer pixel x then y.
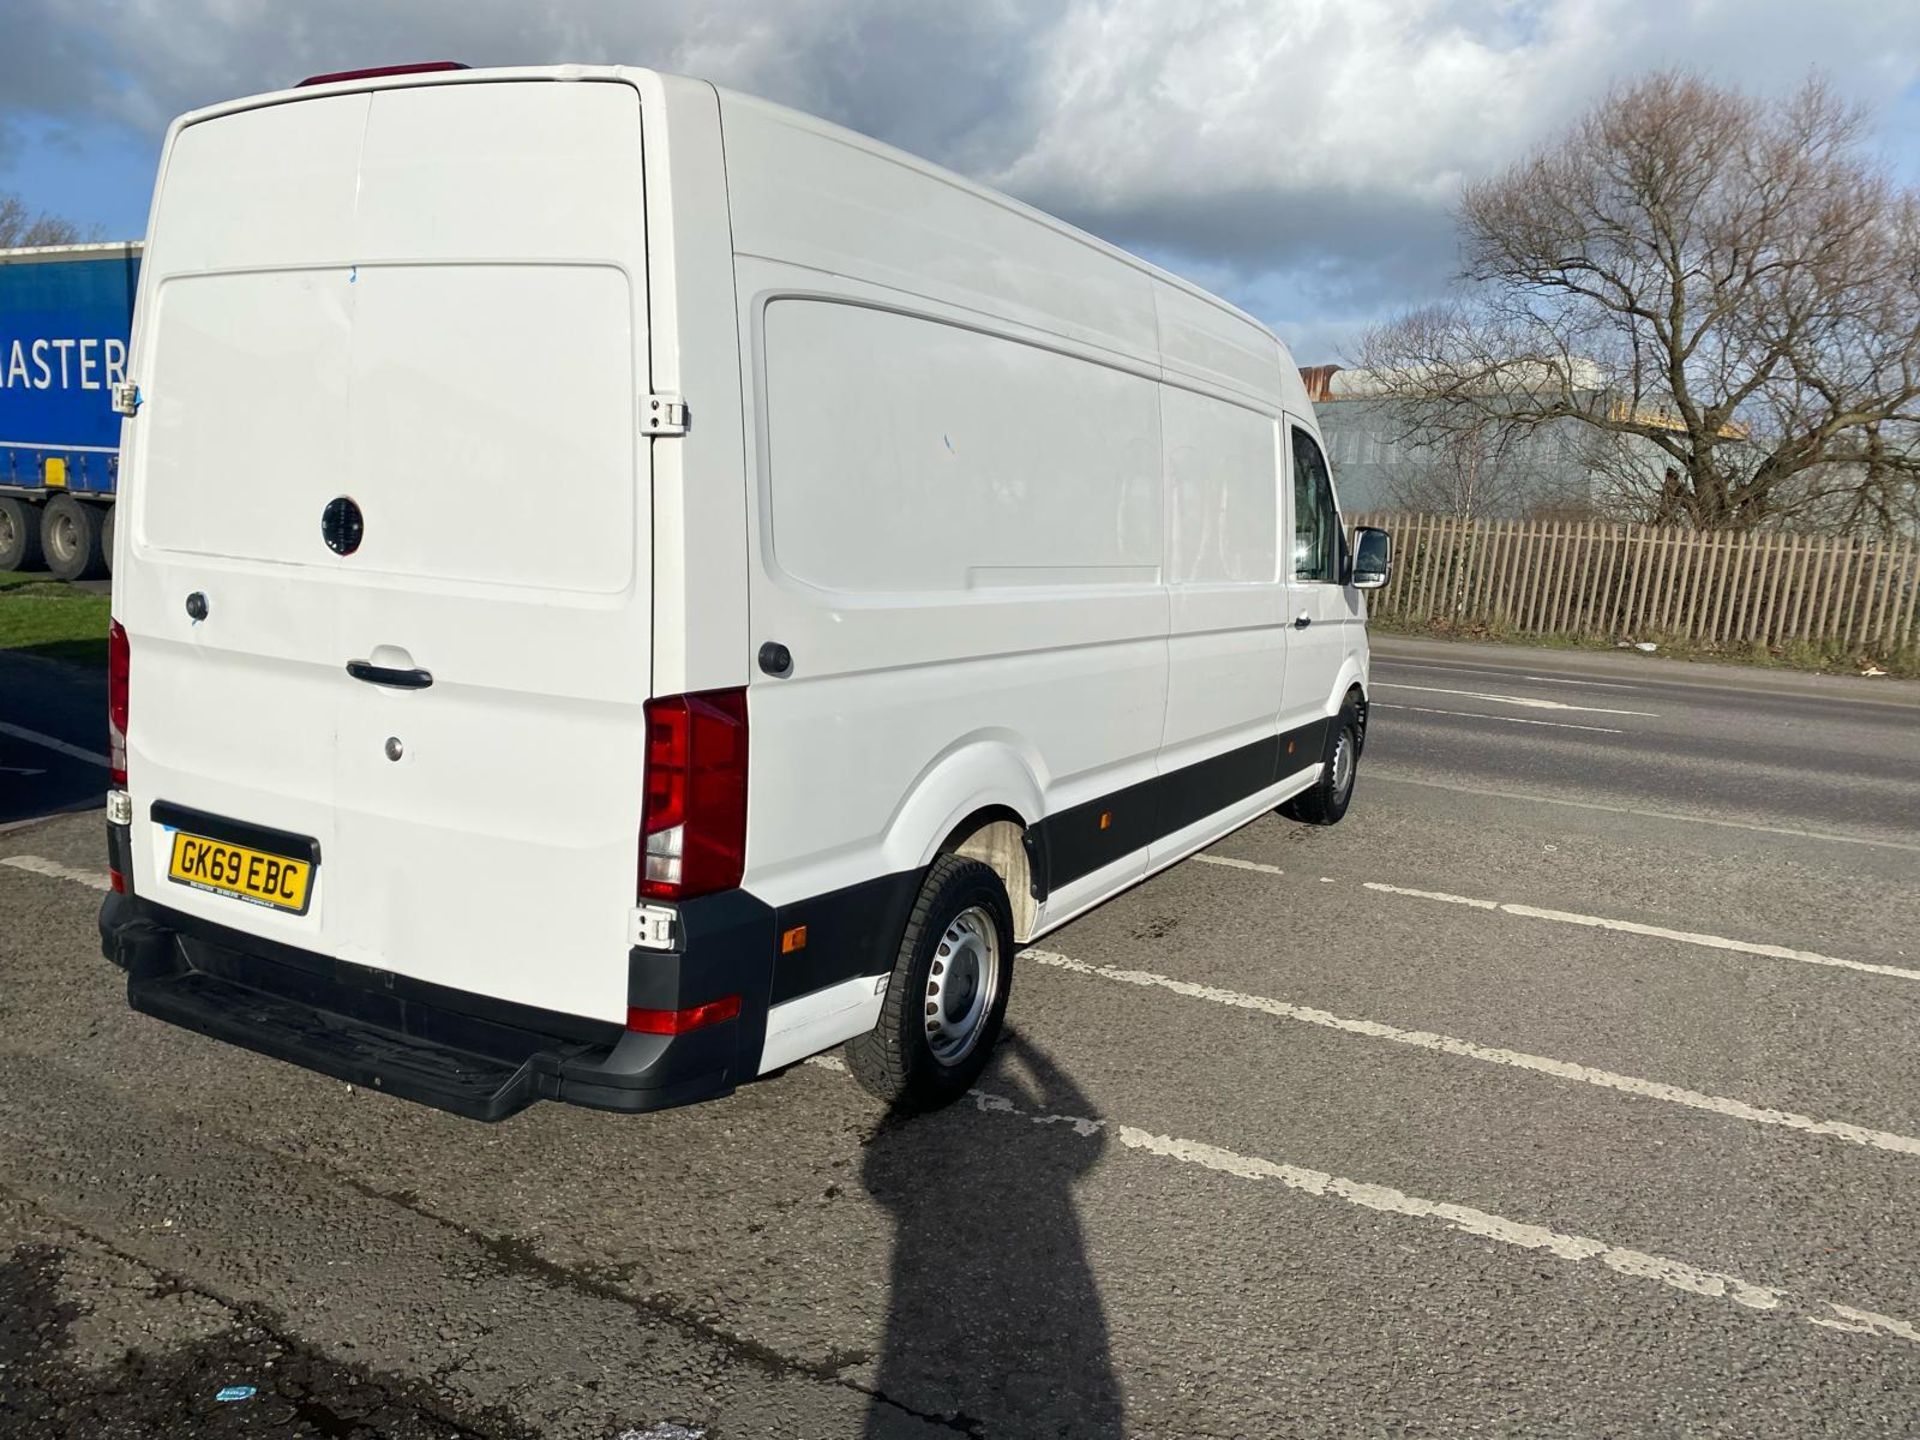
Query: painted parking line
{"type": "Point", "coordinates": [1584, 684]}
{"type": "Point", "coordinates": [1528, 701]}
{"type": "Point", "coordinates": [1376, 775]}
{"type": "Point", "coordinates": [59, 746]}
{"type": "Point", "coordinates": [1503, 719]}
{"type": "Point", "coordinates": [1747, 1296]}
{"type": "Point", "coordinates": [1657, 932]}
{"type": "Point", "coordinates": [53, 869]}
{"type": "Point", "coordinates": [1491, 1055]}
{"type": "Point", "coordinates": [1502, 672]}
{"type": "Point", "coordinates": [1235, 863]}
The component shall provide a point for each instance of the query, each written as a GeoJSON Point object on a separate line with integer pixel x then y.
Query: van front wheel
{"type": "Point", "coordinates": [1325, 801]}
{"type": "Point", "coordinates": [947, 995]}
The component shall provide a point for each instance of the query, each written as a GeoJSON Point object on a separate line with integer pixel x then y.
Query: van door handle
{"type": "Point", "coordinates": [415, 679]}
{"type": "Point", "coordinates": [1300, 622]}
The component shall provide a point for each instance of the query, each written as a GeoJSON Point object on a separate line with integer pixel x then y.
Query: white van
{"type": "Point", "coordinates": [625, 586]}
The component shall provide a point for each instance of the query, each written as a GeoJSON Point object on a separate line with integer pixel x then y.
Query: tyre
{"type": "Point", "coordinates": [1325, 801]}
{"type": "Point", "coordinates": [19, 535]}
{"type": "Point", "coordinates": [106, 538]}
{"type": "Point", "coordinates": [70, 537]}
{"type": "Point", "coordinates": [947, 995]}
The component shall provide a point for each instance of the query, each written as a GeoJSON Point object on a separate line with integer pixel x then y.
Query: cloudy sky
{"type": "Point", "coordinates": [1298, 156]}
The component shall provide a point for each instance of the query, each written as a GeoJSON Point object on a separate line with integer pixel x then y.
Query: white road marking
{"type": "Point", "coordinates": [1658, 932]}
{"type": "Point", "coordinates": [1492, 1055]}
{"type": "Point", "coordinates": [49, 742]}
{"type": "Point", "coordinates": [1376, 776]}
{"type": "Point", "coordinates": [1238, 864]}
{"type": "Point", "coordinates": [1587, 684]}
{"type": "Point", "coordinates": [53, 869]}
{"type": "Point", "coordinates": [1503, 719]}
{"type": "Point", "coordinates": [1526, 700]}
{"type": "Point", "coordinates": [1391, 662]}
{"type": "Point", "coordinates": [1865, 1322]}
{"type": "Point", "coordinates": [1466, 1219]}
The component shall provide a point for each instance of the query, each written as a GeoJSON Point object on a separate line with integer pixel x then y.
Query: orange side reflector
{"type": "Point", "coordinates": [794, 939]}
{"type": "Point", "coordinates": [1106, 818]}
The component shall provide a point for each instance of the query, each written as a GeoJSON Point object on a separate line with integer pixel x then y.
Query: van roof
{"type": "Point", "coordinates": [852, 138]}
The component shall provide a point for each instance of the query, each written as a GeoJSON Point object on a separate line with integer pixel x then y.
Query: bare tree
{"type": "Point", "coordinates": [1728, 287]}
{"type": "Point", "coordinates": [20, 226]}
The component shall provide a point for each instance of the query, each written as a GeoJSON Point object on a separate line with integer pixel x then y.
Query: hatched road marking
{"type": "Point", "coordinates": [1678, 1275]}
{"type": "Point", "coordinates": [1503, 719]}
{"type": "Point", "coordinates": [1657, 932]}
{"type": "Point", "coordinates": [1390, 778]}
{"type": "Point", "coordinates": [48, 742]}
{"type": "Point", "coordinates": [1526, 700]}
{"type": "Point", "coordinates": [1492, 1055]}
{"type": "Point", "coordinates": [1385, 1199]}
{"type": "Point", "coordinates": [39, 865]}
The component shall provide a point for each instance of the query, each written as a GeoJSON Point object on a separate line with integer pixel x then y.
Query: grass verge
{"type": "Point", "coordinates": [51, 619]}
{"type": "Point", "coordinates": [1822, 658]}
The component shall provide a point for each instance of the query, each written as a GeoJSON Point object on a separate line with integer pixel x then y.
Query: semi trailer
{"type": "Point", "coordinates": [65, 313]}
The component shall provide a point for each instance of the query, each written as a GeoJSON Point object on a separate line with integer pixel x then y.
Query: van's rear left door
{"type": "Point", "coordinates": [427, 304]}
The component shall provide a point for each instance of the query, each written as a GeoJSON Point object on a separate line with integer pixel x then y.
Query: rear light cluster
{"type": "Point", "coordinates": [117, 665]}
{"type": "Point", "coordinates": [693, 827]}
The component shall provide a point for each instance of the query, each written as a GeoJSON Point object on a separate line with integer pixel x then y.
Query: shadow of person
{"type": "Point", "coordinates": [994, 1321]}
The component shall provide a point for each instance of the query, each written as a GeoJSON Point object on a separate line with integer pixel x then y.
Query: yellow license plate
{"type": "Point", "coordinates": [220, 868]}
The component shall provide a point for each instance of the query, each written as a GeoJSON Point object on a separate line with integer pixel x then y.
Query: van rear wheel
{"type": "Point", "coordinates": [19, 535]}
{"type": "Point", "coordinates": [947, 995]}
{"type": "Point", "coordinates": [1326, 800]}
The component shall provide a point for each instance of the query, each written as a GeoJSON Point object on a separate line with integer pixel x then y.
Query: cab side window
{"type": "Point", "coordinates": [1318, 548]}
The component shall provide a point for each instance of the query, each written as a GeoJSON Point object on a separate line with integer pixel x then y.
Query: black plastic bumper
{"type": "Point", "coordinates": [449, 1048]}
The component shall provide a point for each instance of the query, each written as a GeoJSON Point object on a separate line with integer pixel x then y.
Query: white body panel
{"type": "Point", "coordinates": [432, 300]}
{"type": "Point", "coordinates": [1019, 505]}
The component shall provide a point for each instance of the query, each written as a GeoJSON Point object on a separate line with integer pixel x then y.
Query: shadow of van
{"type": "Point", "coordinates": [995, 1324]}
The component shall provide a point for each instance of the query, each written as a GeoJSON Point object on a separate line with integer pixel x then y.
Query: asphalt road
{"type": "Point", "coordinates": [1569, 1087]}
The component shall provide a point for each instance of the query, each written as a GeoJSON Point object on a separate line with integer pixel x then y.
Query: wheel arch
{"type": "Point", "coordinates": [976, 800]}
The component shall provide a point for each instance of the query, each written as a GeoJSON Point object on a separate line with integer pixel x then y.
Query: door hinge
{"type": "Point", "coordinates": [663, 415]}
{"type": "Point", "coordinates": [653, 927]}
{"type": "Point", "coordinates": [126, 397]}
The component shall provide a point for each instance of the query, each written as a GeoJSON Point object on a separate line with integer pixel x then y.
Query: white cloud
{"type": "Point", "coordinates": [1299, 155]}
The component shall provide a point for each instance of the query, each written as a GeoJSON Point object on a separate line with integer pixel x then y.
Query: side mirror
{"type": "Point", "coordinates": [1372, 558]}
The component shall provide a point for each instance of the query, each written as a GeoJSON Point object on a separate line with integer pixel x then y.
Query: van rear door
{"type": "Point", "coordinates": [391, 346]}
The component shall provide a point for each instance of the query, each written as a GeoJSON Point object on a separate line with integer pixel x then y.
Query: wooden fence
{"type": "Point", "coordinates": [1639, 581]}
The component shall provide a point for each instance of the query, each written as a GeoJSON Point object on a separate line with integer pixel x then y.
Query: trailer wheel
{"type": "Point", "coordinates": [947, 995]}
{"type": "Point", "coordinates": [19, 534]}
{"type": "Point", "coordinates": [70, 536]}
{"type": "Point", "coordinates": [106, 538]}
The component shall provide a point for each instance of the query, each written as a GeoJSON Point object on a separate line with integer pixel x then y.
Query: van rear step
{"type": "Point", "coordinates": [453, 1050]}
{"type": "Point", "coordinates": [479, 1087]}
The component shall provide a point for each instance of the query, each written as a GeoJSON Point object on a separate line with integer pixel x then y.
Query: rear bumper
{"type": "Point", "coordinates": [455, 1050]}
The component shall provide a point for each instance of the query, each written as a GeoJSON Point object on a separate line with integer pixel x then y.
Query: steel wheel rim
{"type": "Point", "coordinates": [61, 538]}
{"type": "Point", "coordinates": [961, 984]}
{"type": "Point", "coordinates": [9, 533]}
{"type": "Point", "coordinates": [1343, 764]}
